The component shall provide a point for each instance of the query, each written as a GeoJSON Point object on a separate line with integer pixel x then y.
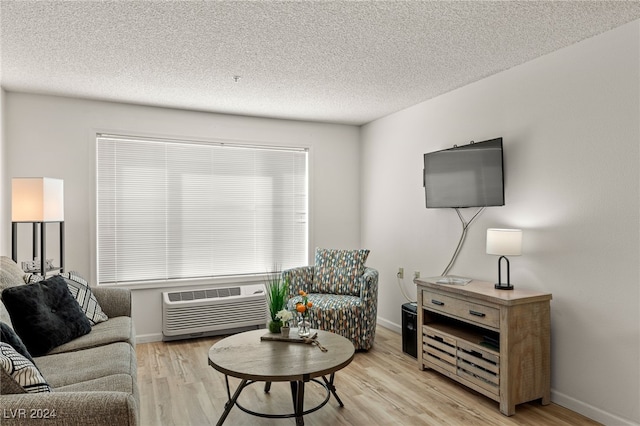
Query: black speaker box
{"type": "Point", "coordinates": [410, 329]}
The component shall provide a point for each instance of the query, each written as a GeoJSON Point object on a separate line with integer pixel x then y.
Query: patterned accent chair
{"type": "Point", "coordinates": [344, 293]}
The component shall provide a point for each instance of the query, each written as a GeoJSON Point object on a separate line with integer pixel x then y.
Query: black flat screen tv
{"type": "Point", "coordinates": [465, 176]}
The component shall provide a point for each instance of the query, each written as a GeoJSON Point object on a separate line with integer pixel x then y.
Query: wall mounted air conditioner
{"type": "Point", "coordinates": [208, 312]}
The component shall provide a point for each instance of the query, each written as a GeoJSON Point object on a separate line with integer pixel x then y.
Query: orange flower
{"type": "Point", "coordinates": [304, 305]}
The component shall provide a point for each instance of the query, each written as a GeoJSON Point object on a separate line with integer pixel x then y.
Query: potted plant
{"type": "Point", "coordinates": [284, 316]}
{"type": "Point", "coordinates": [277, 294]}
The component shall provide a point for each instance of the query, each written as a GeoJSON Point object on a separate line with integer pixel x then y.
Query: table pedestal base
{"type": "Point", "coordinates": [297, 396]}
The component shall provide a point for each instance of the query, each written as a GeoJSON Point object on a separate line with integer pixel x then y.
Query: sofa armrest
{"type": "Point", "coordinates": [70, 408]}
{"type": "Point", "coordinates": [115, 302]}
{"type": "Point", "coordinates": [299, 279]}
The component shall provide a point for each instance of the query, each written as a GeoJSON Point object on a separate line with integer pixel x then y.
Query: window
{"type": "Point", "coordinates": [171, 210]}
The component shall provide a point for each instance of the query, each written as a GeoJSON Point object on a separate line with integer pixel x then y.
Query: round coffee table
{"type": "Point", "coordinates": [247, 357]}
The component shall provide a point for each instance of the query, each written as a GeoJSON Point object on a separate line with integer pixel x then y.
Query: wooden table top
{"type": "Point", "coordinates": [486, 291]}
{"type": "Point", "coordinates": [245, 356]}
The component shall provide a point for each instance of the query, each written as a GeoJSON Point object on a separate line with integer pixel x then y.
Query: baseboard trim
{"type": "Point", "coordinates": [588, 410]}
{"type": "Point", "coordinates": [148, 338]}
{"type": "Point", "coordinates": [390, 325]}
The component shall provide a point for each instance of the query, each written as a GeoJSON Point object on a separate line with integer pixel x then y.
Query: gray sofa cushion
{"type": "Point", "coordinates": [115, 302]}
{"type": "Point", "coordinates": [116, 329]}
{"type": "Point", "coordinates": [4, 315]}
{"type": "Point", "coordinates": [74, 367]}
{"type": "Point", "coordinates": [10, 273]}
{"type": "Point", "coordinates": [8, 384]}
{"type": "Point", "coordinates": [112, 383]}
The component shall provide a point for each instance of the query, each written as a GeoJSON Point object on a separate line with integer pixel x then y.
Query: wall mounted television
{"type": "Point", "coordinates": [465, 176]}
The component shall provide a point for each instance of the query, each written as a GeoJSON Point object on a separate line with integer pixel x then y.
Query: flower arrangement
{"type": "Point", "coordinates": [303, 309]}
{"type": "Point", "coordinates": [304, 305]}
{"type": "Point", "coordinates": [284, 316]}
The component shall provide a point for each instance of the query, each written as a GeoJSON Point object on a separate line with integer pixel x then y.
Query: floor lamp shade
{"type": "Point", "coordinates": [37, 200]}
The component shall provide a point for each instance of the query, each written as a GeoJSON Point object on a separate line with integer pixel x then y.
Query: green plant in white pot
{"type": "Point", "coordinates": [277, 295]}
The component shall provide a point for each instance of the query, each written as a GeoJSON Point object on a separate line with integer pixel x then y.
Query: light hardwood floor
{"type": "Point", "coordinates": [380, 387]}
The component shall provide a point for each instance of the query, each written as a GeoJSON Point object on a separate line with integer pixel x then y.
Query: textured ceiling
{"type": "Point", "coordinates": [344, 62]}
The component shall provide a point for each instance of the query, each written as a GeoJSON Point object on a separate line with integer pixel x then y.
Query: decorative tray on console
{"type": "Point", "coordinates": [453, 280]}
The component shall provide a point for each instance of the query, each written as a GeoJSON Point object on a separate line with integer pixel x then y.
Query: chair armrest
{"type": "Point", "coordinates": [299, 279]}
{"type": "Point", "coordinates": [369, 286]}
{"type": "Point", "coordinates": [115, 302]}
{"type": "Point", "coordinates": [70, 408]}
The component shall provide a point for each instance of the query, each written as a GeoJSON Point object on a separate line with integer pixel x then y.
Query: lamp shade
{"type": "Point", "coordinates": [504, 242]}
{"type": "Point", "coordinates": [37, 200]}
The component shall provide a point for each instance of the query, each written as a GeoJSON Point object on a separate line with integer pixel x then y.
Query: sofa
{"type": "Point", "coordinates": [92, 378]}
{"type": "Point", "coordinates": [343, 293]}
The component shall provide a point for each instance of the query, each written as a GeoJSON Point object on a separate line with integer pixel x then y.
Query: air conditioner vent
{"type": "Point", "coordinates": [204, 294]}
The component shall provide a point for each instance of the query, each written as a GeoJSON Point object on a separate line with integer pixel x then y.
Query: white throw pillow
{"type": "Point", "coordinates": [80, 290]}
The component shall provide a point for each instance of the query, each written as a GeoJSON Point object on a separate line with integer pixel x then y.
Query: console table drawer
{"type": "Point", "coordinates": [473, 312]}
{"type": "Point", "coordinates": [439, 349]}
{"type": "Point", "coordinates": [479, 367]}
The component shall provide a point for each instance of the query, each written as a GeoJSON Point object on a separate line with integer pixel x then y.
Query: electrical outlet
{"type": "Point", "coordinates": [400, 273]}
{"type": "Point", "coordinates": [416, 274]}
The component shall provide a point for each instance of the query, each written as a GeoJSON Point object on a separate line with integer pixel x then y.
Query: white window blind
{"type": "Point", "coordinates": [177, 210]}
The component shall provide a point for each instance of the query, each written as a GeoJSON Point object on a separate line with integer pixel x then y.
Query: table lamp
{"type": "Point", "coordinates": [504, 242]}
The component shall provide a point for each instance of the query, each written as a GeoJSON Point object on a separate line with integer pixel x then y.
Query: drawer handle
{"type": "Point", "coordinates": [477, 314]}
{"type": "Point", "coordinates": [437, 302]}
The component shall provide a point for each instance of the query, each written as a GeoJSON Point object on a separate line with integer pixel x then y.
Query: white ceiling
{"type": "Point", "coordinates": [340, 62]}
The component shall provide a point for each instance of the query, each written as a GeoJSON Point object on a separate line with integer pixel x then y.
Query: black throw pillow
{"type": "Point", "coordinates": [45, 314]}
{"type": "Point", "coordinates": [9, 336]}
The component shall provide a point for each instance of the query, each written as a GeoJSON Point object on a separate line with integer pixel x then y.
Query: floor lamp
{"type": "Point", "coordinates": [37, 201]}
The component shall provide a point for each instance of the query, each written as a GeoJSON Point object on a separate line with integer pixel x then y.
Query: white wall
{"type": "Point", "coordinates": [570, 123]}
{"type": "Point", "coordinates": [5, 212]}
{"type": "Point", "coordinates": [55, 137]}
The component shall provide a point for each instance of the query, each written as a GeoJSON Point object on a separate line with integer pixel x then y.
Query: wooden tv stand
{"type": "Point", "coordinates": [496, 342]}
